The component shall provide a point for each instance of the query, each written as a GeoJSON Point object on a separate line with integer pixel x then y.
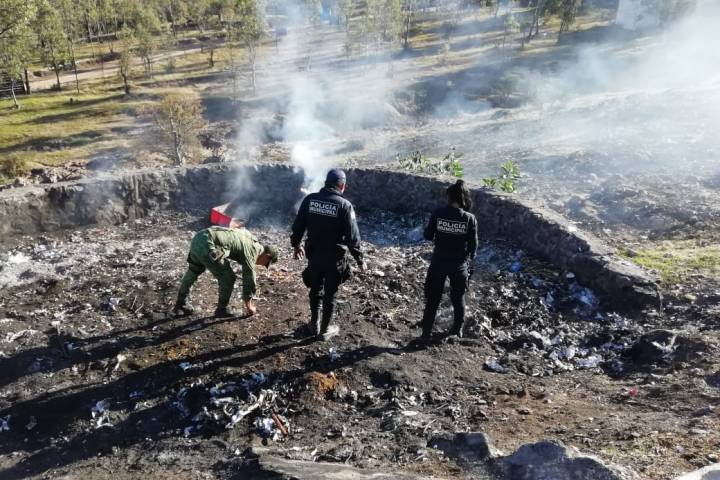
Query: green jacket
{"type": "Point", "coordinates": [239, 245]}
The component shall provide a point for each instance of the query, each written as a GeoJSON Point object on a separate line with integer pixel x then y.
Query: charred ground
{"type": "Point", "coordinates": [84, 326]}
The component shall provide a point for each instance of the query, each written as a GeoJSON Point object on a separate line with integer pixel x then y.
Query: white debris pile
{"type": "Point", "coordinates": [223, 406]}
{"type": "Point", "coordinates": [100, 414]}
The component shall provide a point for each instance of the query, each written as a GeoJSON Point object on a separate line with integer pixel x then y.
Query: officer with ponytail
{"type": "Point", "coordinates": [453, 229]}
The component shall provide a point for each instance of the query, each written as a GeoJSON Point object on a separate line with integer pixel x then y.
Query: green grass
{"type": "Point", "coordinates": [48, 129]}
{"type": "Point", "coordinates": [676, 261]}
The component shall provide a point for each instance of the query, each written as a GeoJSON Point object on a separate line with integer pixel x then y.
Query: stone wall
{"type": "Point", "coordinates": [134, 194]}
{"type": "Point", "coordinates": [126, 196]}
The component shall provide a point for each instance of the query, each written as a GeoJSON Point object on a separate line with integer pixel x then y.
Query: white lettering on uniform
{"type": "Point", "coordinates": [327, 209]}
{"type": "Point", "coordinates": [452, 227]}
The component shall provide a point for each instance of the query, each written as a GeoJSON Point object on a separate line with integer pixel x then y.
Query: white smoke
{"type": "Point", "coordinates": [653, 102]}
{"type": "Point", "coordinates": [313, 99]}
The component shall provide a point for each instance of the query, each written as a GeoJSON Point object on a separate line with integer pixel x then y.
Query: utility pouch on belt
{"type": "Point", "coordinates": [306, 277]}
{"type": "Point", "coordinates": [219, 254]}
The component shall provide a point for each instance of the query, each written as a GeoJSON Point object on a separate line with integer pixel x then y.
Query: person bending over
{"type": "Point", "coordinates": [212, 249]}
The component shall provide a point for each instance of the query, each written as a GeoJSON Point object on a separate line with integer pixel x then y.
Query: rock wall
{"type": "Point", "coordinates": [134, 194]}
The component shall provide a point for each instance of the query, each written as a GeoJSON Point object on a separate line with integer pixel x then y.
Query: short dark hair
{"type": "Point", "coordinates": [335, 177]}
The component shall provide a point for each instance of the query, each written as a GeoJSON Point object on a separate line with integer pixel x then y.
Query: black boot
{"type": "Point", "coordinates": [325, 330]}
{"type": "Point", "coordinates": [182, 307]}
{"type": "Point", "coordinates": [456, 330]}
{"type": "Point", "coordinates": [314, 325]}
{"type": "Point", "coordinates": [225, 312]}
{"type": "Point", "coordinates": [420, 343]}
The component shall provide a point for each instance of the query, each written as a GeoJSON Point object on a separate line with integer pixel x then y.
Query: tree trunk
{"type": "Point", "coordinates": [177, 144]}
{"type": "Point", "coordinates": [27, 83]}
{"type": "Point", "coordinates": [212, 59]}
{"type": "Point", "coordinates": [406, 33]}
{"type": "Point", "coordinates": [88, 34]}
{"type": "Point", "coordinates": [72, 53]}
{"type": "Point", "coordinates": [254, 77]}
{"type": "Point", "coordinates": [252, 57]}
{"type": "Point", "coordinates": [125, 83]}
{"type": "Point", "coordinates": [12, 90]}
{"type": "Point", "coordinates": [538, 12]}
{"type": "Point", "coordinates": [77, 82]}
{"type": "Point", "coordinates": [56, 67]}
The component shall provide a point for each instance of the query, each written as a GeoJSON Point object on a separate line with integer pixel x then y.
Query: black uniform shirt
{"type": "Point", "coordinates": [330, 223]}
{"type": "Point", "coordinates": [454, 232]}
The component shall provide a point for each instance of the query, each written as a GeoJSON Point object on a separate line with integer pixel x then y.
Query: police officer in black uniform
{"type": "Point", "coordinates": [454, 231]}
{"type": "Point", "coordinates": [332, 231]}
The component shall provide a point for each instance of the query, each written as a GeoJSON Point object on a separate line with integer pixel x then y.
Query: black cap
{"type": "Point", "coordinates": [335, 177]}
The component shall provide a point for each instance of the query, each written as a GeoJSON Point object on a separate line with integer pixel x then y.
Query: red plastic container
{"type": "Point", "coordinates": [218, 216]}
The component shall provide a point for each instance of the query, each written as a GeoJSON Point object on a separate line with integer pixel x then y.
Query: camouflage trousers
{"type": "Point", "coordinates": [204, 256]}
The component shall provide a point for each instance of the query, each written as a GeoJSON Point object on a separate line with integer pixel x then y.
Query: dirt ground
{"type": "Point", "coordinates": [97, 381]}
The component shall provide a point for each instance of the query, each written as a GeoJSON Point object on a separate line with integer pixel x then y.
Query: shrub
{"type": "Point", "coordinates": [417, 162]}
{"type": "Point", "coordinates": [14, 166]}
{"type": "Point", "coordinates": [506, 181]}
{"type": "Point", "coordinates": [178, 118]}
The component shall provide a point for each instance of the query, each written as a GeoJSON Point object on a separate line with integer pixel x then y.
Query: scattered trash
{"type": "Point", "coordinates": [255, 380]}
{"type": "Point", "coordinates": [493, 365]}
{"type": "Point", "coordinates": [100, 414]}
{"type": "Point", "coordinates": [17, 258]}
{"type": "Point", "coordinates": [515, 267]}
{"type": "Point", "coordinates": [119, 359]}
{"type": "Point", "coordinates": [584, 295]}
{"type": "Point", "coordinates": [633, 392]}
{"type": "Point", "coordinates": [242, 413]}
{"type": "Point", "coordinates": [549, 300]}
{"type": "Point", "coordinates": [11, 337]}
{"type": "Point", "coordinates": [187, 366]}
{"type": "Point", "coordinates": [111, 304]}
{"type": "Point", "coordinates": [280, 424]}
{"type": "Point", "coordinates": [32, 423]}
{"type": "Point", "coordinates": [99, 408]}
{"type": "Point", "coordinates": [334, 355]}
{"type": "Point", "coordinates": [593, 361]}
{"type": "Point", "coordinates": [5, 423]}
{"type": "Point", "coordinates": [265, 426]}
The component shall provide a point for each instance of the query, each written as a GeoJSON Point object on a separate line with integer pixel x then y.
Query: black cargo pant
{"type": "Point", "coordinates": [434, 286]}
{"type": "Point", "coordinates": [323, 277]}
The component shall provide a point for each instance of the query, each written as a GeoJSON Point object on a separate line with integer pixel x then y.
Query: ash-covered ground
{"type": "Point", "coordinates": [97, 381]}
